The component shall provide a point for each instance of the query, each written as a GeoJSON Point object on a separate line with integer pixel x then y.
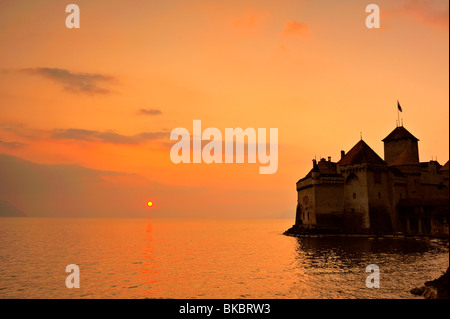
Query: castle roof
{"type": "Point", "coordinates": [407, 157]}
{"type": "Point", "coordinates": [444, 168]}
{"type": "Point", "coordinates": [396, 172]}
{"type": "Point", "coordinates": [399, 133]}
{"type": "Point", "coordinates": [324, 167]}
{"type": "Point", "coordinates": [361, 153]}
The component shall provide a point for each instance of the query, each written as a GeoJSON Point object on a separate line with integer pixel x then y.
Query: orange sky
{"type": "Point", "coordinates": [309, 68]}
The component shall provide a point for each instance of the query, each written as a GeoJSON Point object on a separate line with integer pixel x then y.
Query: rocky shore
{"type": "Point", "coordinates": [435, 289]}
{"type": "Point", "coordinates": [325, 232]}
{"type": "Point", "coordinates": [296, 231]}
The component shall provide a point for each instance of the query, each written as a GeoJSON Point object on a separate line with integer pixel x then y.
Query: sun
{"type": "Point", "coordinates": [149, 204]}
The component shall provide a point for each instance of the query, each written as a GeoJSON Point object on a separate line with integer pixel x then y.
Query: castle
{"type": "Point", "coordinates": [364, 194]}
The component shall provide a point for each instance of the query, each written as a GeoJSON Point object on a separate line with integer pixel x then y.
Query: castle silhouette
{"type": "Point", "coordinates": [364, 194]}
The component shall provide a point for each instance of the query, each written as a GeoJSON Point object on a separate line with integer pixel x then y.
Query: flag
{"type": "Point", "coordinates": [399, 107]}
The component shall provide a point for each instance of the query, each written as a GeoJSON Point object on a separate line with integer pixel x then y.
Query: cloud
{"type": "Point", "coordinates": [295, 28]}
{"type": "Point", "coordinates": [88, 83]}
{"type": "Point", "coordinates": [11, 126]}
{"type": "Point", "coordinates": [246, 21]}
{"type": "Point", "coordinates": [23, 131]}
{"type": "Point", "coordinates": [77, 134]}
{"type": "Point", "coordinates": [428, 12]}
{"type": "Point", "coordinates": [107, 137]}
{"type": "Point", "coordinates": [11, 145]}
{"type": "Point", "coordinates": [249, 23]}
{"type": "Point", "coordinates": [149, 112]}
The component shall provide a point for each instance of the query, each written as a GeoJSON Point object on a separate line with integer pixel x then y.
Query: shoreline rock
{"type": "Point", "coordinates": [435, 289]}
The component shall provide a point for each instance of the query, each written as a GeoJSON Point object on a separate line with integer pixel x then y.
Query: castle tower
{"type": "Point", "coordinates": [366, 201]}
{"type": "Point", "coordinates": [402, 146]}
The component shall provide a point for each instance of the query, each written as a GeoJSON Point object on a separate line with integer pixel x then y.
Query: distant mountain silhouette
{"type": "Point", "coordinates": [68, 190]}
{"type": "Point", "coordinates": [8, 210]}
{"type": "Point", "coordinates": [61, 190]}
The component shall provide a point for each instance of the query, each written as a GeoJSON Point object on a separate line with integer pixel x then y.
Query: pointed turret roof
{"type": "Point", "coordinates": [361, 153]}
{"type": "Point", "coordinates": [407, 157]}
{"type": "Point", "coordinates": [399, 133]}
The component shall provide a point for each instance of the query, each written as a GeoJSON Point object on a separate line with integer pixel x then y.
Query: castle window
{"type": "Point", "coordinates": [379, 195]}
{"type": "Point", "coordinates": [308, 216]}
{"type": "Point", "coordinates": [354, 195]}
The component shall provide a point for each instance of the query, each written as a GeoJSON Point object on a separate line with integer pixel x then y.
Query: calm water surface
{"type": "Point", "coordinates": [158, 258]}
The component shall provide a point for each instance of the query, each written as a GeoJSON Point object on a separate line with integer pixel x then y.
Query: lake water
{"type": "Point", "coordinates": [170, 258]}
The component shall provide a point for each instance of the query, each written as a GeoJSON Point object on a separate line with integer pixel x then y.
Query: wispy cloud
{"type": "Point", "coordinates": [428, 12]}
{"type": "Point", "coordinates": [11, 145]}
{"type": "Point", "coordinates": [77, 134]}
{"type": "Point", "coordinates": [149, 112]}
{"type": "Point", "coordinates": [295, 28]}
{"type": "Point", "coordinates": [87, 83]}
{"type": "Point", "coordinates": [249, 23]}
{"type": "Point", "coordinates": [11, 126]}
{"type": "Point", "coordinates": [23, 131]}
{"type": "Point", "coordinates": [107, 137]}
